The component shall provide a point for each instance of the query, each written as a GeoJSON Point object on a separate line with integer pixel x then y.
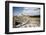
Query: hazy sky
{"type": "Point", "coordinates": [18, 11]}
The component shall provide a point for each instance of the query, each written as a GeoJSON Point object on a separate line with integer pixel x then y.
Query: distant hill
{"type": "Point", "coordinates": [28, 16]}
{"type": "Point", "coordinates": [35, 16]}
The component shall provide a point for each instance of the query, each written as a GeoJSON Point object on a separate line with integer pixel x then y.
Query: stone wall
{"type": "Point", "coordinates": [26, 21]}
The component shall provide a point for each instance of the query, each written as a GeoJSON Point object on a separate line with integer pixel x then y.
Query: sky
{"type": "Point", "coordinates": [31, 11]}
